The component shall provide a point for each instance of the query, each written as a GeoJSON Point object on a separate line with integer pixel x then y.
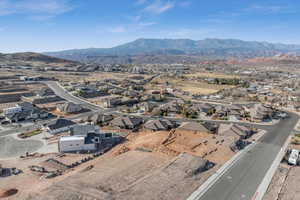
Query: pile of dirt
{"type": "Point", "coordinates": [7, 193]}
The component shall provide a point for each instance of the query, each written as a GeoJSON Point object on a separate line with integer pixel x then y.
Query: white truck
{"type": "Point", "coordinates": [293, 159]}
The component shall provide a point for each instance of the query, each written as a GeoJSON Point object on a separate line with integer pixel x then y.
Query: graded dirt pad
{"type": "Point", "coordinates": [132, 175]}
{"type": "Point", "coordinates": [211, 147]}
{"type": "Point", "coordinates": [11, 147]}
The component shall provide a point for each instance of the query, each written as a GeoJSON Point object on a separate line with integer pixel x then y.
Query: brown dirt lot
{"type": "Point", "coordinates": [208, 146]}
{"type": "Point", "coordinates": [132, 175]}
{"type": "Point", "coordinates": [192, 86]}
{"type": "Point", "coordinates": [210, 75]}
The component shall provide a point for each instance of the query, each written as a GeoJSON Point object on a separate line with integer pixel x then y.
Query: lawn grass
{"type": "Point", "coordinates": [30, 134]}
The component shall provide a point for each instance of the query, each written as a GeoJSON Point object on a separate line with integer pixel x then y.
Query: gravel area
{"type": "Point", "coordinates": [11, 147]}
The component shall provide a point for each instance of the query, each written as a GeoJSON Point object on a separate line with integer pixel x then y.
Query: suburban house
{"type": "Point", "coordinates": [202, 109]}
{"type": "Point", "coordinates": [131, 93]}
{"type": "Point", "coordinates": [171, 107]}
{"type": "Point", "coordinates": [59, 126]}
{"type": "Point", "coordinates": [84, 129]}
{"type": "Point", "coordinates": [234, 115]}
{"type": "Point", "coordinates": [24, 111]}
{"type": "Point", "coordinates": [211, 126]}
{"type": "Point", "coordinates": [221, 111]}
{"type": "Point", "coordinates": [235, 130]}
{"type": "Point", "coordinates": [87, 138]}
{"type": "Point", "coordinates": [260, 112]}
{"type": "Point", "coordinates": [69, 144]}
{"type": "Point", "coordinates": [128, 122]}
{"type": "Point", "coordinates": [145, 107]}
{"type": "Point", "coordinates": [112, 102]}
{"type": "Point", "coordinates": [159, 125]}
{"type": "Point", "coordinates": [194, 127]}
{"type": "Point", "coordinates": [69, 108]}
{"type": "Point", "coordinates": [89, 92]}
{"type": "Point", "coordinates": [98, 118]}
{"type": "Point", "coordinates": [45, 92]}
{"type": "Point", "coordinates": [115, 91]}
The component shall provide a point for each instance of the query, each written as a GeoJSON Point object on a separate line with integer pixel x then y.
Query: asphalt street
{"type": "Point", "coordinates": [241, 181]}
{"type": "Point", "coordinates": [61, 92]}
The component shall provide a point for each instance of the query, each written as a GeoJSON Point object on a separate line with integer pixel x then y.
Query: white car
{"type": "Point", "coordinates": [293, 157]}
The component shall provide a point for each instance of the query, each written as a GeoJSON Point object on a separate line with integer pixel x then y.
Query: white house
{"type": "Point", "coordinates": [12, 110]}
{"type": "Point", "coordinates": [70, 144]}
{"type": "Point", "coordinates": [87, 138]}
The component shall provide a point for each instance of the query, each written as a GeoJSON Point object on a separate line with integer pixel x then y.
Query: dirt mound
{"type": "Point", "coordinates": [7, 193]}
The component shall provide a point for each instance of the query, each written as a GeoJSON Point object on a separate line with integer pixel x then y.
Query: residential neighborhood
{"type": "Point", "coordinates": [142, 114]}
{"type": "Point", "coordinates": [149, 100]}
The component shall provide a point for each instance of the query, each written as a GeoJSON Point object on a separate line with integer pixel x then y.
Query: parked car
{"type": "Point", "coordinates": [294, 155]}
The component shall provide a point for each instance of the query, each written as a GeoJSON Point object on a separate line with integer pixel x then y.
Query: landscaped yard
{"type": "Point", "coordinates": [30, 134]}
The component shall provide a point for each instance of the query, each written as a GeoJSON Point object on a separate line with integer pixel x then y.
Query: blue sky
{"type": "Point", "coordinates": [47, 25]}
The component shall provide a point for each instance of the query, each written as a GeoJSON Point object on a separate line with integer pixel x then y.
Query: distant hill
{"type": "Point", "coordinates": [157, 50]}
{"type": "Point", "coordinates": [34, 59]}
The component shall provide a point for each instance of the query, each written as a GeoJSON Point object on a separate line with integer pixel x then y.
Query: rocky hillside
{"type": "Point", "coordinates": [34, 60]}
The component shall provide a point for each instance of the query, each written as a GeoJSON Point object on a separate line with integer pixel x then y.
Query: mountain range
{"type": "Point", "coordinates": [156, 50]}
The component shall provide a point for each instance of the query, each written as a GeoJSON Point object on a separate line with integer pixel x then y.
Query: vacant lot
{"type": "Point", "coordinates": [210, 75]}
{"type": "Point", "coordinates": [191, 86]}
{"type": "Point", "coordinates": [132, 175]}
{"type": "Point", "coordinates": [198, 87]}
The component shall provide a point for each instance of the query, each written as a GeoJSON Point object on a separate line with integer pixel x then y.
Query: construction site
{"type": "Point", "coordinates": [159, 165]}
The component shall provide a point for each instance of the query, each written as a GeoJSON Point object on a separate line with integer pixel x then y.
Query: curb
{"type": "Point", "coordinates": [263, 187]}
{"type": "Point", "coordinates": [219, 173]}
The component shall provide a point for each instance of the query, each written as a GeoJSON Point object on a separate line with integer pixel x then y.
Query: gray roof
{"type": "Point", "coordinates": [46, 92]}
{"type": "Point", "coordinates": [159, 124]}
{"type": "Point", "coordinates": [233, 129]}
{"type": "Point", "coordinates": [193, 126]}
{"type": "Point", "coordinates": [130, 121]}
{"type": "Point", "coordinates": [69, 107]}
{"type": "Point", "coordinates": [83, 130]}
{"type": "Point", "coordinates": [60, 123]}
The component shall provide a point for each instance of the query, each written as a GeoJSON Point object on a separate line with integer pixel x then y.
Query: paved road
{"type": "Point", "coordinates": [61, 92]}
{"type": "Point", "coordinates": [241, 181]}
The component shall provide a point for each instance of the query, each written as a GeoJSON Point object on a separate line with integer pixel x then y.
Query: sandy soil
{"type": "Point", "coordinates": [275, 188]}
{"type": "Point", "coordinates": [132, 175]}
{"type": "Point", "coordinates": [211, 147]}
{"type": "Point", "coordinates": [290, 189]}
{"type": "Point", "coordinates": [210, 75]}
{"type": "Point", "coordinates": [192, 86]}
